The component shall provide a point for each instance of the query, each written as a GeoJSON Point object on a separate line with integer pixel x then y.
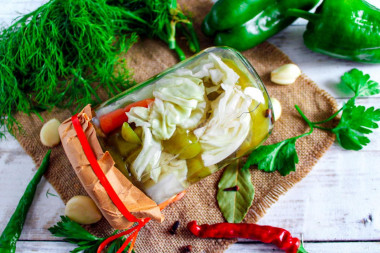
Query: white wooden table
{"type": "Point", "coordinates": [336, 207]}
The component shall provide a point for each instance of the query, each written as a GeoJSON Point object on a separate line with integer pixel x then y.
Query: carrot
{"type": "Point", "coordinates": [116, 118]}
{"type": "Point", "coordinates": [172, 200]}
{"type": "Point", "coordinates": [142, 103]}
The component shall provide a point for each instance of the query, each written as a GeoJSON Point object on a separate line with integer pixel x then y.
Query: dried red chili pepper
{"type": "Point", "coordinates": [267, 234]}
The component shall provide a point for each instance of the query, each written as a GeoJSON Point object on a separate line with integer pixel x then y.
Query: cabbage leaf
{"type": "Point", "coordinates": [228, 126]}
{"type": "Point", "coordinates": [148, 160]}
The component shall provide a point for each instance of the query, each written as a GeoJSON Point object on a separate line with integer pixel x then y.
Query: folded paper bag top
{"type": "Point", "coordinates": [137, 203]}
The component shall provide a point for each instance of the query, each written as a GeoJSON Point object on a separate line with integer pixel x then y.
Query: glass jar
{"type": "Point", "coordinates": [186, 123]}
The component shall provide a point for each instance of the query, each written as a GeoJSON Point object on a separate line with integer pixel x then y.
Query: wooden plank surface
{"type": "Point", "coordinates": [352, 247]}
{"type": "Point", "coordinates": [336, 207]}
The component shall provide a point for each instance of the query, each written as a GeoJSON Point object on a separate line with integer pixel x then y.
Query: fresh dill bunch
{"type": "Point", "coordinates": [54, 55]}
{"type": "Point", "coordinates": [65, 51]}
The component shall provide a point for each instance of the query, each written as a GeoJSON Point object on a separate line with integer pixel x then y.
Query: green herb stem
{"type": "Point", "coordinates": [194, 38]}
{"type": "Point", "coordinates": [302, 14]}
{"type": "Point", "coordinates": [192, 46]}
{"type": "Point", "coordinates": [328, 119]}
{"type": "Point", "coordinates": [172, 40]}
{"type": "Point", "coordinates": [324, 128]}
{"type": "Point", "coordinates": [180, 53]}
{"type": "Point", "coordinates": [173, 4]}
{"type": "Point", "coordinates": [311, 125]}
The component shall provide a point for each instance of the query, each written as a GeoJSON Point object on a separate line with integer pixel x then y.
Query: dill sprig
{"type": "Point", "coordinates": [65, 51]}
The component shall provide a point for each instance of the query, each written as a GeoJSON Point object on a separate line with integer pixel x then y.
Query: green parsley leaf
{"type": "Point", "coordinates": [281, 156]}
{"type": "Point", "coordinates": [76, 234]}
{"type": "Point", "coordinates": [234, 205]}
{"type": "Point", "coordinates": [356, 121]}
{"type": "Point", "coordinates": [360, 83]}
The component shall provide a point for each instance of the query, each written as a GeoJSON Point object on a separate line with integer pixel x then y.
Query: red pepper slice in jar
{"type": "Point", "coordinates": [116, 118]}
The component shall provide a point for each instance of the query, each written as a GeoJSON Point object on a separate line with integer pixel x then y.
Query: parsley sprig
{"type": "Point", "coordinates": [86, 242]}
{"type": "Point", "coordinates": [281, 156]}
{"type": "Point", "coordinates": [355, 123]}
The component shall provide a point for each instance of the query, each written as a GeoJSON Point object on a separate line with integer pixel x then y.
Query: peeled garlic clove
{"type": "Point", "coordinates": [286, 74]}
{"type": "Point", "coordinates": [277, 109]}
{"type": "Point", "coordinates": [82, 209]}
{"type": "Point", "coordinates": [49, 135]}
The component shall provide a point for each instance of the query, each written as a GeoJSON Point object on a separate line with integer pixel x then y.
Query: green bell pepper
{"type": "Point", "coordinates": [243, 24]}
{"type": "Point", "coordinates": [345, 29]}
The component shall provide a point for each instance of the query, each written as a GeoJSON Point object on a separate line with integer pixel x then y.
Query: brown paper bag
{"type": "Point", "coordinates": [134, 199]}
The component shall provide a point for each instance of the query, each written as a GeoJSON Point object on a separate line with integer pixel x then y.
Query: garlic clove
{"type": "Point", "coordinates": [286, 74]}
{"type": "Point", "coordinates": [277, 109]}
{"type": "Point", "coordinates": [49, 135]}
{"type": "Point", "coordinates": [82, 209]}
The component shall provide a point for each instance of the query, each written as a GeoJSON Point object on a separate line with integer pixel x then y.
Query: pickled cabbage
{"type": "Point", "coordinates": [172, 178]}
{"type": "Point", "coordinates": [148, 160]}
{"type": "Point", "coordinates": [220, 123]}
{"type": "Point", "coordinates": [227, 127]}
{"type": "Point", "coordinates": [179, 101]}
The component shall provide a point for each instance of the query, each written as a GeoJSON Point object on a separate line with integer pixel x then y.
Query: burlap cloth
{"type": "Point", "coordinates": [148, 58]}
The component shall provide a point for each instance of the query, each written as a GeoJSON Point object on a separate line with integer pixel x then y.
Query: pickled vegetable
{"type": "Point", "coordinates": [202, 116]}
{"type": "Point", "coordinates": [260, 124]}
{"type": "Point", "coordinates": [184, 143]}
{"type": "Point", "coordinates": [196, 169]}
{"type": "Point", "coordinates": [123, 147]}
{"type": "Point", "coordinates": [116, 118]}
{"type": "Point", "coordinates": [120, 164]}
{"type": "Point", "coordinates": [133, 156]}
{"type": "Point", "coordinates": [129, 135]}
{"type": "Point", "coordinates": [138, 131]}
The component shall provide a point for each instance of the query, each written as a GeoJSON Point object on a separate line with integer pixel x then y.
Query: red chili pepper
{"type": "Point", "coordinates": [267, 234]}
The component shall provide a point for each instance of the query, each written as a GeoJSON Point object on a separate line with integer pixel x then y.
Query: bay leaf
{"type": "Point", "coordinates": [234, 205]}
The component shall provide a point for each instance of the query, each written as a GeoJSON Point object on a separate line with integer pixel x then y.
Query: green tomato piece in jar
{"type": "Point", "coordinates": [123, 147]}
{"type": "Point", "coordinates": [119, 162]}
{"type": "Point", "coordinates": [196, 169]}
{"type": "Point", "coordinates": [132, 156]}
{"type": "Point", "coordinates": [139, 132]}
{"type": "Point", "coordinates": [129, 135]}
{"type": "Point", "coordinates": [190, 151]}
{"type": "Point", "coordinates": [184, 143]}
